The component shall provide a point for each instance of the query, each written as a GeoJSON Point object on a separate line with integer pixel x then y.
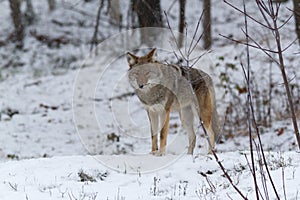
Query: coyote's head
{"type": "Point", "coordinates": [143, 71]}
{"type": "Point", "coordinates": [134, 60]}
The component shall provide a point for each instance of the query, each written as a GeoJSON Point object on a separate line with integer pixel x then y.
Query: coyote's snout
{"type": "Point", "coordinates": [164, 88]}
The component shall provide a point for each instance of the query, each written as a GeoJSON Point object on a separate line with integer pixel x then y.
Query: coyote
{"type": "Point", "coordinates": [163, 88]}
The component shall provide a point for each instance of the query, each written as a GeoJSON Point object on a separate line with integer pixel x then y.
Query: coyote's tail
{"type": "Point", "coordinates": [216, 124]}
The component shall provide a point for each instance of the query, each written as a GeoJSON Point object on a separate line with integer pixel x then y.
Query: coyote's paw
{"type": "Point", "coordinates": [153, 152]}
{"type": "Point", "coordinates": [161, 152]}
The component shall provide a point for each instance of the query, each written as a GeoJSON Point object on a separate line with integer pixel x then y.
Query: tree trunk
{"type": "Point", "coordinates": [207, 24]}
{"type": "Point", "coordinates": [115, 12]}
{"type": "Point", "coordinates": [149, 15]}
{"type": "Point", "coordinates": [29, 14]}
{"type": "Point", "coordinates": [16, 16]}
{"type": "Point", "coordinates": [51, 5]}
{"type": "Point", "coordinates": [181, 22]}
{"type": "Point", "coordinates": [297, 17]}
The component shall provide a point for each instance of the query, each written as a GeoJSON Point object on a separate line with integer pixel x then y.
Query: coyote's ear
{"type": "Point", "coordinates": [131, 59]}
{"type": "Point", "coordinates": [152, 54]}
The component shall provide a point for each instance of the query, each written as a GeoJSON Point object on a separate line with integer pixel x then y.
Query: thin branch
{"type": "Point", "coordinates": [195, 32]}
{"type": "Point", "coordinates": [266, 51]}
{"type": "Point", "coordinates": [252, 18]}
{"type": "Point", "coordinates": [285, 22]}
{"type": "Point", "coordinates": [262, 7]}
{"type": "Point", "coordinates": [251, 170]}
{"type": "Point", "coordinates": [176, 55]}
{"type": "Point", "coordinates": [171, 6]}
{"type": "Point", "coordinates": [248, 102]}
{"type": "Point", "coordinates": [223, 169]}
{"type": "Point", "coordinates": [262, 150]}
{"type": "Point", "coordinates": [283, 50]}
{"type": "Point", "coordinates": [250, 45]}
{"type": "Point", "coordinates": [261, 167]}
{"type": "Point", "coordinates": [200, 37]}
{"type": "Point", "coordinates": [173, 35]}
{"type": "Point", "coordinates": [197, 57]}
{"type": "Point", "coordinates": [94, 41]}
{"type": "Point", "coordinates": [186, 36]}
{"type": "Point", "coordinates": [283, 182]}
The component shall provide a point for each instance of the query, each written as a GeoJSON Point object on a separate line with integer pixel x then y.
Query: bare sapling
{"type": "Point", "coordinates": [270, 13]}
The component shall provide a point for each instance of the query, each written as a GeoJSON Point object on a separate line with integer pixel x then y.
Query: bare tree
{"type": "Point", "coordinates": [16, 15]}
{"type": "Point", "coordinates": [207, 24]}
{"type": "Point", "coordinates": [297, 17]}
{"type": "Point", "coordinates": [149, 15]}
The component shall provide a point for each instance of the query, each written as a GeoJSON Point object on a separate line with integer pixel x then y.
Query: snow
{"type": "Point", "coordinates": [75, 135]}
{"type": "Point", "coordinates": [128, 177]}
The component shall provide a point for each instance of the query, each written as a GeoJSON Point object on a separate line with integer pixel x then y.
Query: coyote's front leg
{"type": "Point", "coordinates": [164, 119]}
{"type": "Point", "coordinates": [153, 118]}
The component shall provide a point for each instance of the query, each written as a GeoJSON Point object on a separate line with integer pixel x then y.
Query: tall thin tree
{"type": "Point", "coordinates": [17, 20]}
{"type": "Point", "coordinates": [297, 17]}
{"type": "Point", "coordinates": [181, 21]}
{"type": "Point", "coordinates": [207, 24]}
{"type": "Point", "coordinates": [29, 13]}
{"type": "Point", "coordinates": [149, 15]}
{"type": "Point", "coordinates": [51, 4]}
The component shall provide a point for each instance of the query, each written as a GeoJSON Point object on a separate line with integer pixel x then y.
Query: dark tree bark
{"type": "Point", "coordinates": [149, 15]}
{"type": "Point", "coordinates": [181, 21]}
{"type": "Point", "coordinates": [16, 15]}
{"type": "Point", "coordinates": [95, 41]}
{"type": "Point", "coordinates": [29, 13]}
{"type": "Point", "coordinates": [297, 17]}
{"type": "Point", "coordinates": [207, 25]}
{"type": "Point", "coordinates": [51, 5]}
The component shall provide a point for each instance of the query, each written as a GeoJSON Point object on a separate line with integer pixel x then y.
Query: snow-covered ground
{"type": "Point", "coordinates": [85, 177]}
{"type": "Point", "coordinates": [70, 128]}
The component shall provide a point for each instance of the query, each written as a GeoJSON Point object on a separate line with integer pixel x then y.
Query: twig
{"type": "Point", "coordinates": [261, 170]}
{"type": "Point", "coordinates": [125, 95]}
{"type": "Point", "coordinates": [94, 41]}
{"type": "Point", "coordinates": [250, 45]}
{"type": "Point", "coordinates": [224, 171]}
{"type": "Point", "coordinates": [173, 35]}
{"type": "Point", "coordinates": [171, 6]}
{"type": "Point", "coordinates": [248, 103]}
{"type": "Point", "coordinates": [283, 182]}
{"type": "Point", "coordinates": [251, 170]}
{"type": "Point", "coordinates": [13, 186]}
{"type": "Point", "coordinates": [198, 58]}
{"type": "Point", "coordinates": [249, 16]}
{"type": "Point", "coordinates": [194, 36]}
